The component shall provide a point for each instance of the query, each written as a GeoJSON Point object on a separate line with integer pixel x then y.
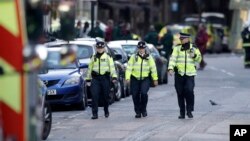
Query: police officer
{"type": "Point", "coordinates": [101, 67]}
{"type": "Point", "coordinates": [182, 62]}
{"type": "Point", "coordinates": [246, 45]}
{"type": "Point", "coordinates": [140, 66]}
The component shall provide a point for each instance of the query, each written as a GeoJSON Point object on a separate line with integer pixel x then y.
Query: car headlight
{"type": "Point", "coordinates": [72, 81]}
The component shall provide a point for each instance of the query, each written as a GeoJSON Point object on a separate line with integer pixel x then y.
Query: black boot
{"type": "Point", "coordinates": [138, 116]}
{"type": "Point", "coordinates": [190, 115]}
{"type": "Point", "coordinates": [95, 116]}
{"type": "Point", "coordinates": [144, 114]}
{"type": "Point", "coordinates": [181, 116]}
{"type": "Point", "coordinates": [106, 112]}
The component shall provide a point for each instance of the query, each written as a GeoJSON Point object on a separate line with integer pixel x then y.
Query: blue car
{"type": "Point", "coordinates": [65, 84]}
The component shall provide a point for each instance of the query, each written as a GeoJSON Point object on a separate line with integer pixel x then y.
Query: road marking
{"type": "Point", "coordinates": [221, 70]}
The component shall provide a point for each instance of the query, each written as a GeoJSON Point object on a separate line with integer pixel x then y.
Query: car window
{"type": "Point", "coordinates": [216, 20]}
{"type": "Point", "coordinates": [154, 52]}
{"type": "Point", "coordinates": [53, 61]}
{"type": "Point", "coordinates": [129, 49]}
{"type": "Point", "coordinates": [84, 51]}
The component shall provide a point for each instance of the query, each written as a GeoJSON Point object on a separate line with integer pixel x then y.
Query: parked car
{"type": "Point", "coordinates": [117, 49]}
{"type": "Point", "coordinates": [218, 32]}
{"type": "Point", "coordinates": [130, 47]}
{"type": "Point", "coordinates": [65, 84]}
{"type": "Point", "coordinates": [86, 49]}
{"type": "Point", "coordinates": [46, 111]}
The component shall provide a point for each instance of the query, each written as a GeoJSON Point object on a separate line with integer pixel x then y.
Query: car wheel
{"type": "Point", "coordinates": [118, 94]}
{"type": "Point", "coordinates": [123, 88]}
{"type": "Point", "coordinates": [112, 95]}
{"type": "Point", "coordinates": [82, 105]}
{"type": "Point", "coordinates": [165, 79]}
{"type": "Point", "coordinates": [47, 120]}
{"type": "Point", "coordinates": [127, 90]}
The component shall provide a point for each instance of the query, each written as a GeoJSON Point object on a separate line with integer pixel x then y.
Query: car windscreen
{"type": "Point", "coordinates": [84, 51]}
{"type": "Point", "coordinates": [154, 52]}
{"type": "Point", "coordinates": [53, 61]}
{"type": "Point", "coordinates": [216, 20]}
{"type": "Point", "coordinates": [129, 49]}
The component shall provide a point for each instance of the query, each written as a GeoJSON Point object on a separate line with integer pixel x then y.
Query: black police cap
{"type": "Point", "coordinates": [184, 35]}
{"type": "Point", "coordinates": [141, 44]}
{"type": "Point", "coordinates": [100, 44]}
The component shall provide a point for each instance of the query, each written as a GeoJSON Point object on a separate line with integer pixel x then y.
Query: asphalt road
{"type": "Point", "coordinates": [224, 81]}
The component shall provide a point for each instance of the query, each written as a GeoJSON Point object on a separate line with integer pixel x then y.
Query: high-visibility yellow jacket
{"type": "Point", "coordinates": [141, 68]}
{"type": "Point", "coordinates": [182, 60]}
{"type": "Point", "coordinates": [101, 66]}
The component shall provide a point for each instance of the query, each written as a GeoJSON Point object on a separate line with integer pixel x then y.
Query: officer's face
{"type": "Point", "coordinates": [100, 50]}
{"type": "Point", "coordinates": [184, 40]}
{"type": "Point", "coordinates": [141, 50]}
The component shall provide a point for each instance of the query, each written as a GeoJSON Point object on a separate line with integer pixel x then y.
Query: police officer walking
{"type": "Point", "coordinates": [182, 62]}
{"type": "Point", "coordinates": [100, 68]}
{"type": "Point", "coordinates": [140, 66]}
{"type": "Point", "coordinates": [246, 45]}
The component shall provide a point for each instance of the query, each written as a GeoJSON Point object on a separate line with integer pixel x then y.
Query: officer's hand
{"type": "Point", "coordinates": [155, 82]}
{"type": "Point", "coordinates": [88, 83]}
{"type": "Point", "coordinates": [170, 72]}
{"type": "Point", "coordinates": [192, 55]}
{"type": "Point", "coordinates": [114, 80]}
{"type": "Point", "coordinates": [127, 82]}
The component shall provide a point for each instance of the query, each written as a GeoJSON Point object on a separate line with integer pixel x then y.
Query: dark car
{"type": "Point", "coordinates": [117, 49]}
{"type": "Point", "coordinates": [65, 84]}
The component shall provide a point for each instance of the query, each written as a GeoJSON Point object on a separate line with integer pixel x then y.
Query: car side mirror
{"type": "Point", "coordinates": [118, 57]}
{"type": "Point", "coordinates": [82, 66]}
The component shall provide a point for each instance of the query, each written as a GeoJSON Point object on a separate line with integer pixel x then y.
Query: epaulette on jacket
{"type": "Point", "coordinates": [194, 45]}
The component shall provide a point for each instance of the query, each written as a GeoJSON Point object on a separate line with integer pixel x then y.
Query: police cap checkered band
{"type": "Point", "coordinates": [100, 44]}
{"type": "Point", "coordinates": [141, 44]}
{"type": "Point", "coordinates": [184, 35]}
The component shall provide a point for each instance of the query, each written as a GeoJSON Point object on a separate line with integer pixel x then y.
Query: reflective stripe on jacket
{"type": "Point", "coordinates": [101, 66]}
{"type": "Point", "coordinates": [182, 60]}
{"type": "Point", "coordinates": [140, 68]}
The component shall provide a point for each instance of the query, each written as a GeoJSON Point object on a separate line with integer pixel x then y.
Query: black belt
{"type": "Point", "coordinates": [139, 78]}
{"type": "Point", "coordinates": [96, 74]}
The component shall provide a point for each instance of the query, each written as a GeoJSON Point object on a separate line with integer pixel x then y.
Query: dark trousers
{"type": "Point", "coordinates": [247, 56]}
{"type": "Point", "coordinates": [139, 91]}
{"type": "Point", "coordinates": [100, 88]}
{"type": "Point", "coordinates": [184, 86]}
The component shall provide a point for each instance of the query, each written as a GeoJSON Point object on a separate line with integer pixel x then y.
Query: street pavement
{"type": "Point", "coordinates": [224, 81]}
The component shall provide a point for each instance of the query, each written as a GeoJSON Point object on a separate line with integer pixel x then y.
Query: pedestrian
{"type": "Point", "coordinates": [100, 68]}
{"type": "Point", "coordinates": [167, 41]}
{"type": "Point", "coordinates": [96, 32]}
{"type": "Point", "coordinates": [86, 29]}
{"type": "Point", "coordinates": [201, 42]}
{"type": "Point", "coordinates": [140, 66]}
{"type": "Point", "coordinates": [109, 31]}
{"type": "Point", "coordinates": [182, 62]}
{"type": "Point", "coordinates": [152, 36]}
{"type": "Point", "coordinates": [78, 29]}
{"type": "Point", "coordinates": [246, 45]}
